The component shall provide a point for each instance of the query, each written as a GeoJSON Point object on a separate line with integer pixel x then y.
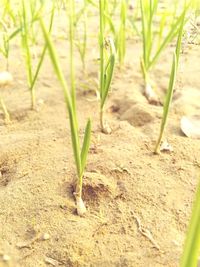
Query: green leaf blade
{"type": "Point", "coordinates": [86, 145]}
{"type": "Point", "coordinates": [192, 241]}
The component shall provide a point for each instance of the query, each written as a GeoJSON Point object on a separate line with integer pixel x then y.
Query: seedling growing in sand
{"type": "Point", "coordinates": [80, 153]}
{"type": "Point", "coordinates": [32, 73]}
{"type": "Point", "coordinates": [107, 62]}
{"type": "Point", "coordinates": [192, 243]}
{"type": "Point", "coordinates": [121, 38]}
{"type": "Point", "coordinates": [9, 12]}
{"type": "Point", "coordinates": [5, 79]}
{"type": "Point", "coordinates": [150, 56]}
{"type": "Point", "coordinates": [6, 36]}
{"type": "Point", "coordinates": [81, 42]}
{"type": "Point", "coordinates": [167, 102]}
{"type": "Point", "coordinates": [170, 90]}
{"type": "Point", "coordinates": [5, 48]}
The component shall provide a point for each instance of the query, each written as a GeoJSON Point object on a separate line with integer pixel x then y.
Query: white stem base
{"type": "Point", "coordinates": [151, 95]}
{"type": "Point", "coordinates": [80, 206]}
{"type": "Point", "coordinates": [106, 129]}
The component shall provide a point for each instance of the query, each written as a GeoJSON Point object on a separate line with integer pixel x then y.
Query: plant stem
{"type": "Point", "coordinates": [101, 41]}
{"type": "Point", "coordinates": [71, 37]}
{"type": "Point", "coordinates": [7, 64]}
{"type": "Point", "coordinates": [81, 209]}
{"type": "Point", "coordinates": [85, 36]}
{"type": "Point", "coordinates": [6, 113]}
{"type": "Point", "coordinates": [167, 103]}
{"type": "Point", "coordinates": [105, 128]}
{"type": "Point", "coordinates": [190, 257]}
{"type": "Point", "coordinates": [157, 148]}
{"type": "Point", "coordinates": [101, 119]}
{"type": "Point", "coordinates": [148, 91]}
{"type": "Point", "coordinates": [33, 99]}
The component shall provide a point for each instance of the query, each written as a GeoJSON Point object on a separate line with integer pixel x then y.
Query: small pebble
{"type": "Point", "coordinates": [5, 257]}
{"type": "Point", "coordinates": [176, 243]}
{"type": "Point", "coordinates": [40, 101]}
{"type": "Point", "coordinates": [45, 236]}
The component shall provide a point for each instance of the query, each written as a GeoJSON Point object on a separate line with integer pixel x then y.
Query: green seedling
{"type": "Point", "coordinates": [80, 153]}
{"type": "Point", "coordinates": [5, 48]}
{"type": "Point", "coordinates": [81, 41]}
{"type": "Point", "coordinates": [8, 13]}
{"type": "Point", "coordinates": [114, 7]}
{"type": "Point", "coordinates": [121, 38]}
{"type": "Point", "coordinates": [5, 79]}
{"type": "Point", "coordinates": [5, 110]}
{"type": "Point", "coordinates": [32, 72]}
{"type": "Point", "coordinates": [150, 56]}
{"type": "Point", "coordinates": [107, 63]}
{"type": "Point", "coordinates": [170, 90]}
{"type": "Point", "coordinates": [35, 8]}
{"type": "Point", "coordinates": [7, 33]}
{"type": "Point", "coordinates": [167, 103]}
{"type": "Point", "coordinates": [191, 252]}
{"type": "Point", "coordinates": [134, 16]}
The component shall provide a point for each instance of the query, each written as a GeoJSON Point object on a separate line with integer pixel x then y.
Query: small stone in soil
{"type": "Point", "coordinates": [5, 258]}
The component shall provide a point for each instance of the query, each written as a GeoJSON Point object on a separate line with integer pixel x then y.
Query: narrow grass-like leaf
{"type": "Point", "coordinates": [93, 3]}
{"type": "Point", "coordinates": [144, 41]}
{"type": "Point", "coordinates": [106, 66]}
{"type": "Point", "coordinates": [61, 78]}
{"type": "Point", "coordinates": [32, 74]}
{"type": "Point", "coordinates": [75, 142]}
{"type": "Point", "coordinates": [168, 100]}
{"type": "Point", "coordinates": [80, 155]}
{"type": "Point", "coordinates": [192, 242]}
{"type": "Point", "coordinates": [171, 34]}
{"type": "Point", "coordinates": [110, 22]}
{"type": "Point", "coordinates": [86, 144]}
{"type": "Point", "coordinates": [172, 80]}
{"type": "Point", "coordinates": [71, 37]}
{"type": "Point", "coordinates": [81, 42]}
{"type": "Point", "coordinates": [180, 34]}
{"type": "Point", "coordinates": [56, 64]}
{"type": "Point", "coordinates": [121, 39]}
{"type": "Point", "coordinates": [101, 43]}
{"type": "Point", "coordinates": [170, 89]}
{"type": "Point", "coordinates": [25, 43]}
{"type": "Point", "coordinates": [39, 65]}
{"type": "Point", "coordinates": [108, 77]}
{"type": "Point", "coordinates": [14, 33]}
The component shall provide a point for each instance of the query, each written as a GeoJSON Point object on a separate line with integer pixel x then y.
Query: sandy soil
{"type": "Point", "coordinates": [138, 203]}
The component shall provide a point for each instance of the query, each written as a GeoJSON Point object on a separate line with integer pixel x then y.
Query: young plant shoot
{"type": "Point", "coordinates": [121, 38]}
{"type": "Point", "coordinates": [80, 153]}
{"type": "Point", "coordinates": [5, 79]}
{"type": "Point", "coordinates": [32, 71]}
{"type": "Point", "coordinates": [170, 90]}
{"type": "Point", "coordinates": [9, 13]}
{"type": "Point", "coordinates": [107, 63]}
{"type": "Point", "coordinates": [150, 56]}
{"type": "Point", "coordinates": [191, 253]}
{"type": "Point", "coordinates": [5, 47]}
{"type": "Point", "coordinates": [81, 41]}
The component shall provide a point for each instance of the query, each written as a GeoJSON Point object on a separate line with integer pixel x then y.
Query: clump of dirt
{"type": "Point", "coordinates": [136, 114]}
{"type": "Point", "coordinates": [7, 169]}
{"type": "Point", "coordinates": [97, 188]}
